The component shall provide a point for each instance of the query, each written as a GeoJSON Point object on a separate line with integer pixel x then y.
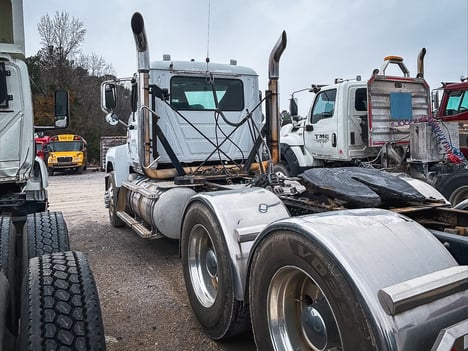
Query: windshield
{"type": "Point", "coordinates": [58, 146]}
{"type": "Point", "coordinates": [196, 93]}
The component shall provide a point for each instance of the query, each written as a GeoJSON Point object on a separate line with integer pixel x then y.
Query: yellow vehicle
{"type": "Point", "coordinates": [67, 152]}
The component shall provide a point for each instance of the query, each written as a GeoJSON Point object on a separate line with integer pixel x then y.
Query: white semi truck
{"type": "Point", "coordinates": [48, 297]}
{"type": "Point", "coordinates": [385, 122]}
{"type": "Point", "coordinates": [349, 260]}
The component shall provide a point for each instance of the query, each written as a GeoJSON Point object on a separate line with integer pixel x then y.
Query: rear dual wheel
{"type": "Point", "coordinates": [8, 268]}
{"type": "Point", "coordinates": [60, 309]}
{"type": "Point", "coordinates": [208, 275]}
{"type": "Point", "coordinates": [301, 300]}
{"type": "Point", "coordinates": [44, 233]}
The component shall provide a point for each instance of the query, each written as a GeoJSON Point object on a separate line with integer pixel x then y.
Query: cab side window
{"type": "Point", "coordinates": [457, 102]}
{"type": "Point", "coordinates": [324, 105]}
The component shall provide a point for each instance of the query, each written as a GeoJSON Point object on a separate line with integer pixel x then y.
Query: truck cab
{"type": "Point", "coordinates": [23, 175]}
{"type": "Point", "coordinates": [453, 109]}
{"type": "Point", "coordinates": [196, 119]}
{"type": "Point", "coordinates": [336, 128]}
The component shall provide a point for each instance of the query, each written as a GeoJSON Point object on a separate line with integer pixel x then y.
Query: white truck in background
{"type": "Point", "coordinates": [384, 123]}
{"type": "Point", "coordinates": [306, 267]}
{"type": "Point", "coordinates": [48, 297]}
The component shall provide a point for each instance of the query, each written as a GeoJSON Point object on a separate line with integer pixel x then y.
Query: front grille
{"type": "Point", "coordinates": [64, 159]}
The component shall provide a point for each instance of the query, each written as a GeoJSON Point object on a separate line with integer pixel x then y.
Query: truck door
{"type": "Point", "coordinates": [321, 132]}
{"type": "Point", "coordinates": [455, 111]}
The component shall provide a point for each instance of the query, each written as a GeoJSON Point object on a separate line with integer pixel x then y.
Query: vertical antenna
{"type": "Point", "coordinates": [208, 35]}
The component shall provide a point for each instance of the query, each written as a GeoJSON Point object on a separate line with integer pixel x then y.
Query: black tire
{"type": "Point", "coordinates": [211, 293]}
{"type": "Point", "coordinates": [44, 233]}
{"type": "Point", "coordinates": [455, 187]}
{"type": "Point", "coordinates": [8, 267]}
{"type": "Point", "coordinates": [282, 169]}
{"type": "Point", "coordinates": [289, 159]}
{"type": "Point", "coordinates": [7, 248]}
{"type": "Point", "coordinates": [50, 171]}
{"type": "Point", "coordinates": [291, 280]}
{"type": "Point", "coordinates": [60, 309]}
{"type": "Point", "coordinates": [113, 193]}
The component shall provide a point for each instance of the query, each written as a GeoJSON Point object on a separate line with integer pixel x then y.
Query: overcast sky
{"type": "Point", "coordinates": [326, 38]}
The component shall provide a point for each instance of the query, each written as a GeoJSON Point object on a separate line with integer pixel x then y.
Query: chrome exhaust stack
{"type": "Point", "coordinates": [420, 63]}
{"type": "Point", "coordinates": [272, 107]}
{"type": "Point", "coordinates": [144, 149]}
{"type": "Point", "coordinates": [138, 29]}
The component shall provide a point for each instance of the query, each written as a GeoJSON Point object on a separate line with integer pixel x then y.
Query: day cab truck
{"type": "Point", "coordinates": [385, 122]}
{"type": "Point", "coordinates": [333, 259]}
{"type": "Point", "coordinates": [67, 152]}
{"type": "Point", "coordinates": [48, 297]}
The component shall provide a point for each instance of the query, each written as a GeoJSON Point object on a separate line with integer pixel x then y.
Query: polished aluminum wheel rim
{"type": "Point", "coordinates": [299, 315]}
{"type": "Point", "coordinates": [203, 265]}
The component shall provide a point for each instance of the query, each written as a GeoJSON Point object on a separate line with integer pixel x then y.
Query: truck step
{"type": "Point", "coordinates": [137, 226]}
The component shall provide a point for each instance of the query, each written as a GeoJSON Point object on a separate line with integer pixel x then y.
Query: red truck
{"type": "Point", "coordinates": [42, 143]}
{"type": "Point", "coordinates": [453, 108]}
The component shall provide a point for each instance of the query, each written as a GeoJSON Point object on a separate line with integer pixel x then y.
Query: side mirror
{"type": "Point", "coordinates": [112, 119]}
{"type": "Point", "coordinates": [435, 100]}
{"type": "Point", "coordinates": [293, 107]}
{"type": "Point", "coordinates": [108, 97]}
{"type": "Point", "coordinates": [62, 109]}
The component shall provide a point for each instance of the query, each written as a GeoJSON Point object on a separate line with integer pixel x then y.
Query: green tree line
{"type": "Point", "coordinates": [60, 64]}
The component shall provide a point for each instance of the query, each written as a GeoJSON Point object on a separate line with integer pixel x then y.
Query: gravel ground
{"type": "Point", "coordinates": [140, 282]}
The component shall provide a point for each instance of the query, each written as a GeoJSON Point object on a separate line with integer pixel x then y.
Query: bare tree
{"type": "Point", "coordinates": [60, 64]}
{"type": "Point", "coordinates": [61, 35]}
{"type": "Point", "coordinates": [95, 64]}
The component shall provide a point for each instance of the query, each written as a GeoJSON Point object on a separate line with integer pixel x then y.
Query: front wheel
{"type": "Point", "coordinates": [60, 309]}
{"type": "Point", "coordinates": [208, 275]}
{"type": "Point", "coordinates": [113, 193]}
{"type": "Point", "coordinates": [300, 300]}
{"type": "Point", "coordinates": [281, 169]}
{"type": "Point", "coordinates": [455, 187]}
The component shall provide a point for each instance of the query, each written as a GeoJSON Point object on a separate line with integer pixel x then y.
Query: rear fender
{"type": "Point", "coordinates": [379, 249]}
{"type": "Point", "coordinates": [242, 214]}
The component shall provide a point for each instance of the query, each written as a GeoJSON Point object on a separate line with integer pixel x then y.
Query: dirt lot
{"type": "Point", "coordinates": [140, 282]}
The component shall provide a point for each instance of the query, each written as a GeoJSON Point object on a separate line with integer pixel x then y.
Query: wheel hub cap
{"type": "Point", "coordinates": [319, 327]}
{"type": "Point", "coordinates": [211, 263]}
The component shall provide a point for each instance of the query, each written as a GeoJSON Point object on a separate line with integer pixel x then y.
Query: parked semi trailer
{"type": "Point", "coordinates": [48, 297]}
{"type": "Point", "coordinates": [334, 259]}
